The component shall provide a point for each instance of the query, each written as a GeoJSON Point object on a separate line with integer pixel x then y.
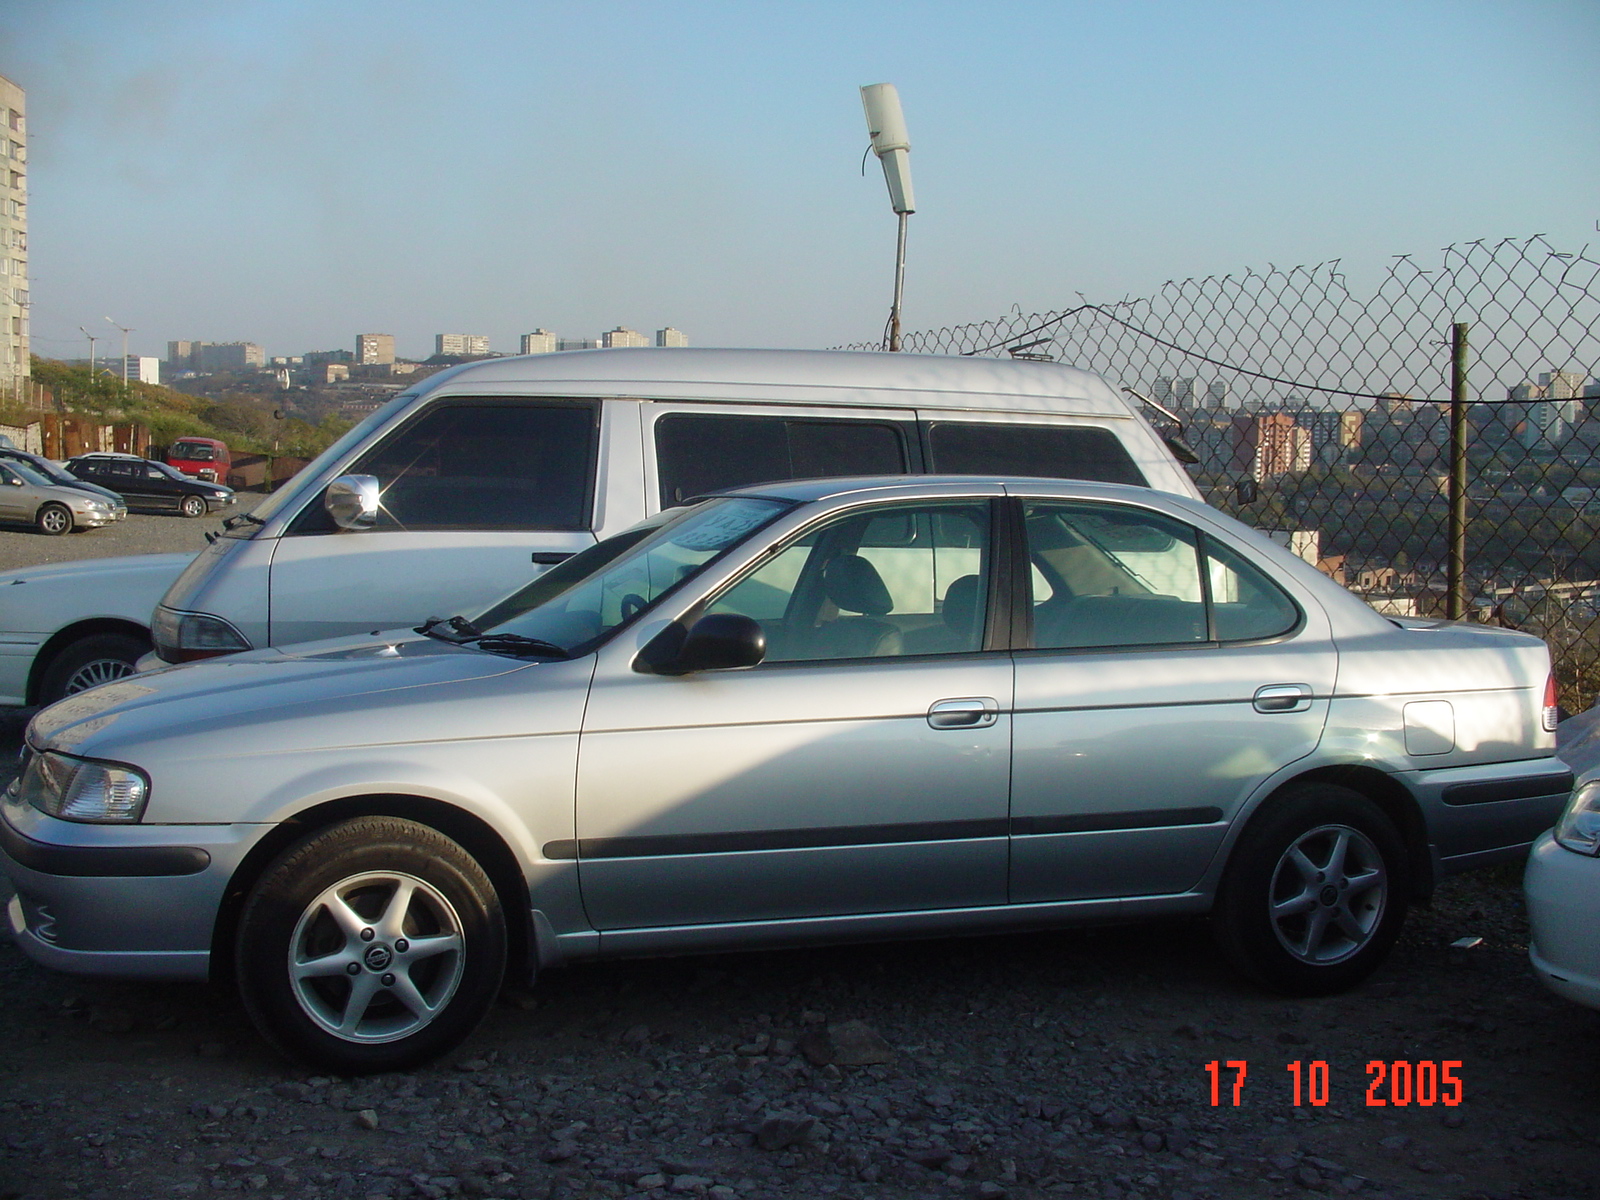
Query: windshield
{"type": "Point", "coordinates": [30, 473]}
{"type": "Point", "coordinates": [193, 452]}
{"type": "Point", "coordinates": [575, 605]}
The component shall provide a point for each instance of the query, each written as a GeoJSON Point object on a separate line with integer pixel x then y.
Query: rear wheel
{"type": "Point", "coordinates": [192, 506]}
{"type": "Point", "coordinates": [1315, 892]}
{"type": "Point", "coordinates": [89, 662]}
{"type": "Point", "coordinates": [54, 520]}
{"type": "Point", "coordinates": [373, 945]}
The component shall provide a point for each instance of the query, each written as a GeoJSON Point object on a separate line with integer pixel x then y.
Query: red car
{"type": "Point", "coordinates": [203, 458]}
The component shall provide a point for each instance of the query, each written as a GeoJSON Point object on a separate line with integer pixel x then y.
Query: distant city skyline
{"type": "Point", "coordinates": [274, 171]}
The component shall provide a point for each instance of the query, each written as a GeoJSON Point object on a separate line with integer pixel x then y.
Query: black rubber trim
{"type": "Point", "coordinates": [1496, 790]}
{"type": "Point", "coordinates": [1150, 818]}
{"type": "Point", "coordinates": [652, 846]}
{"type": "Point", "coordinates": [121, 862]}
{"type": "Point", "coordinates": [655, 846]}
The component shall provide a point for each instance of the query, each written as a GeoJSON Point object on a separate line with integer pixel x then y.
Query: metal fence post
{"type": "Point", "coordinates": [1456, 603]}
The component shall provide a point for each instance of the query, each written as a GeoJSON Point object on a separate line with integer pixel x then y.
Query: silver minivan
{"type": "Point", "coordinates": [460, 491]}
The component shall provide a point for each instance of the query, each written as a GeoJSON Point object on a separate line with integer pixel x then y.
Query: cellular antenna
{"type": "Point", "coordinates": [886, 125]}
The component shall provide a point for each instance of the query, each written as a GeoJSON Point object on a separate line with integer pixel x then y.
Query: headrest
{"type": "Point", "coordinates": [854, 584]}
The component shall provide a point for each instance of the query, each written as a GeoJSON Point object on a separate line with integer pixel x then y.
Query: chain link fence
{"type": "Point", "coordinates": [1320, 410]}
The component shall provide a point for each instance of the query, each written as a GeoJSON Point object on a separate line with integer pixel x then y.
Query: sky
{"type": "Point", "coordinates": [296, 172]}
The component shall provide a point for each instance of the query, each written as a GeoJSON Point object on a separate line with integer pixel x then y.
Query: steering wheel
{"type": "Point", "coordinates": [632, 605]}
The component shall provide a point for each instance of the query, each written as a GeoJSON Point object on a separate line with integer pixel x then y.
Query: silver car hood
{"type": "Point", "coordinates": [345, 691]}
{"type": "Point", "coordinates": [100, 568]}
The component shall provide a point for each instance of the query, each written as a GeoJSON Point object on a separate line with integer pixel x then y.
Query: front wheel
{"type": "Point", "coordinates": [1315, 892]}
{"type": "Point", "coordinates": [53, 520]}
{"type": "Point", "coordinates": [89, 662]}
{"type": "Point", "coordinates": [372, 945]}
{"type": "Point", "coordinates": [192, 506]}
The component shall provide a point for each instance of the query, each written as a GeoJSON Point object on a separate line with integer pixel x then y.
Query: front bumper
{"type": "Point", "coordinates": [129, 901]}
{"type": "Point", "coordinates": [1562, 889]}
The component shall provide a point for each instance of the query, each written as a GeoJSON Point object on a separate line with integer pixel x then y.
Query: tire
{"type": "Point", "coordinates": [53, 520]}
{"type": "Point", "coordinates": [1315, 892]}
{"type": "Point", "coordinates": [89, 662]}
{"type": "Point", "coordinates": [381, 988]}
{"type": "Point", "coordinates": [192, 506]}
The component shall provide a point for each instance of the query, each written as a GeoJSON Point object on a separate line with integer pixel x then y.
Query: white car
{"type": "Point", "coordinates": [68, 626]}
{"type": "Point", "coordinates": [1562, 882]}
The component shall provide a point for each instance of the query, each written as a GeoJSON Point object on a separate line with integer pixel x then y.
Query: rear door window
{"type": "Point", "coordinates": [698, 453]}
{"type": "Point", "coordinates": [1047, 451]}
{"type": "Point", "coordinates": [482, 465]}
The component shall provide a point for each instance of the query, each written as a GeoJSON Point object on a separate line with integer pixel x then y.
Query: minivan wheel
{"type": "Point", "coordinates": [1315, 892]}
{"type": "Point", "coordinates": [192, 506]}
{"type": "Point", "coordinates": [372, 945]}
{"type": "Point", "coordinates": [53, 519]}
{"type": "Point", "coordinates": [89, 662]}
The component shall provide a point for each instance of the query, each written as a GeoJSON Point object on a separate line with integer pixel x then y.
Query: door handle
{"type": "Point", "coordinates": [973, 712]}
{"type": "Point", "coordinates": [1283, 697]}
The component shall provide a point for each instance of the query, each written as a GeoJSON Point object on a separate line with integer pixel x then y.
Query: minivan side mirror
{"type": "Point", "coordinates": [716, 642]}
{"type": "Point", "coordinates": [352, 501]}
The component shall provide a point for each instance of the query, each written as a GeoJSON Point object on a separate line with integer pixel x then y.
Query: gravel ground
{"type": "Point", "coordinates": [1064, 1064]}
{"type": "Point", "coordinates": [143, 532]}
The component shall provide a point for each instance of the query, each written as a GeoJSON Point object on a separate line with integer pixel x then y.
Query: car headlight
{"type": "Point", "coordinates": [184, 637]}
{"type": "Point", "coordinates": [1579, 826]}
{"type": "Point", "coordinates": [83, 789]}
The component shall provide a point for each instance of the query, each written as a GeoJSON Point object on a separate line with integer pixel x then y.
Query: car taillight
{"type": "Point", "coordinates": [1552, 705]}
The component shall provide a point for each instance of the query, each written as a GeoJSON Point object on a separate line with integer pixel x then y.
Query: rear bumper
{"type": "Point", "coordinates": [1490, 813]}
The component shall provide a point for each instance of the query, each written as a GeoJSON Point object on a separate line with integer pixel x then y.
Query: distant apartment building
{"type": "Point", "coordinates": [577, 344]}
{"type": "Point", "coordinates": [540, 341]}
{"type": "Point", "coordinates": [210, 358]}
{"type": "Point", "coordinates": [671, 337]}
{"type": "Point", "coordinates": [456, 344]}
{"type": "Point", "coordinates": [374, 349]}
{"type": "Point", "coordinates": [1544, 415]}
{"type": "Point", "coordinates": [1335, 435]}
{"type": "Point", "coordinates": [1218, 394]}
{"type": "Point", "coordinates": [622, 336]}
{"type": "Point", "coordinates": [136, 368]}
{"type": "Point", "coordinates": [14, 301]}
{"type": "Point", "coordinates": [1273, 444]}
{"type": "Point", "coordinates": [1185, 393]}
{"type": "Point", "coordinates": [320, 358]}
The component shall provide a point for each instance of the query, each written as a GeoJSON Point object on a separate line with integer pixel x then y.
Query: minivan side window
{"type": "Point", "coordinates": [1048, 451]}
{"type": "Point", "coordinates": [696, 453]}
{"type": "Point", "coordinates": [481, 465]}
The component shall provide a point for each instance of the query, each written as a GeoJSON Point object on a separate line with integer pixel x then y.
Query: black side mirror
{"type": "Point", "coordinates": [1246, 490]}
{"type": "Point", "coordinates": [716, 642]}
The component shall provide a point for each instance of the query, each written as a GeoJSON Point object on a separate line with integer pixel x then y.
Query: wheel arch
{"type": "Point", "coordinates": [1397, 803]}
{"type": "Point", "coordinates": [475, 835]}
{"type": "Point", "coordinates": [67, 635]}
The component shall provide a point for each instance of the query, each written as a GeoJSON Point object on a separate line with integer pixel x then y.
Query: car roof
{"type": "Point", "coordinates": [823, 377]}
{"type": "Point", "coordinates": [111, 454]}
{"type": "Point", "coordinates": [833, 487]}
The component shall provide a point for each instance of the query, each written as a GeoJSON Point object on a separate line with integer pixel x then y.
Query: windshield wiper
{"type": "Point", "coordinates": [242, 519]}
{"type": "Point", "coordinates": [462, 632]}
{"type": "Point", "coordinates": [459, 626]}
{"type": "Point", "coordinates": [515, 644]}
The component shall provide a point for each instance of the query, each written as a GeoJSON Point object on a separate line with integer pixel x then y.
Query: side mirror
{"type": "Point", "coordinates": [352, 501]}
{"type": "Point", "coordinates": [1246, 490]}
{"type": "Point", "coordinates": [716, 642]}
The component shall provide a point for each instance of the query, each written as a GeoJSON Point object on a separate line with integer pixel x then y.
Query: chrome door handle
{"type": "Point", "coordinates": [974, 712]}
{"type": "Point", "coordinates": [1283, 697]}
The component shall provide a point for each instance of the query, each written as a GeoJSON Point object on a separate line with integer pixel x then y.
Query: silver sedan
{"type": "Point", "coordinates": [29, 497]}
{"type": "Point", "coordinates": [813, 711]}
